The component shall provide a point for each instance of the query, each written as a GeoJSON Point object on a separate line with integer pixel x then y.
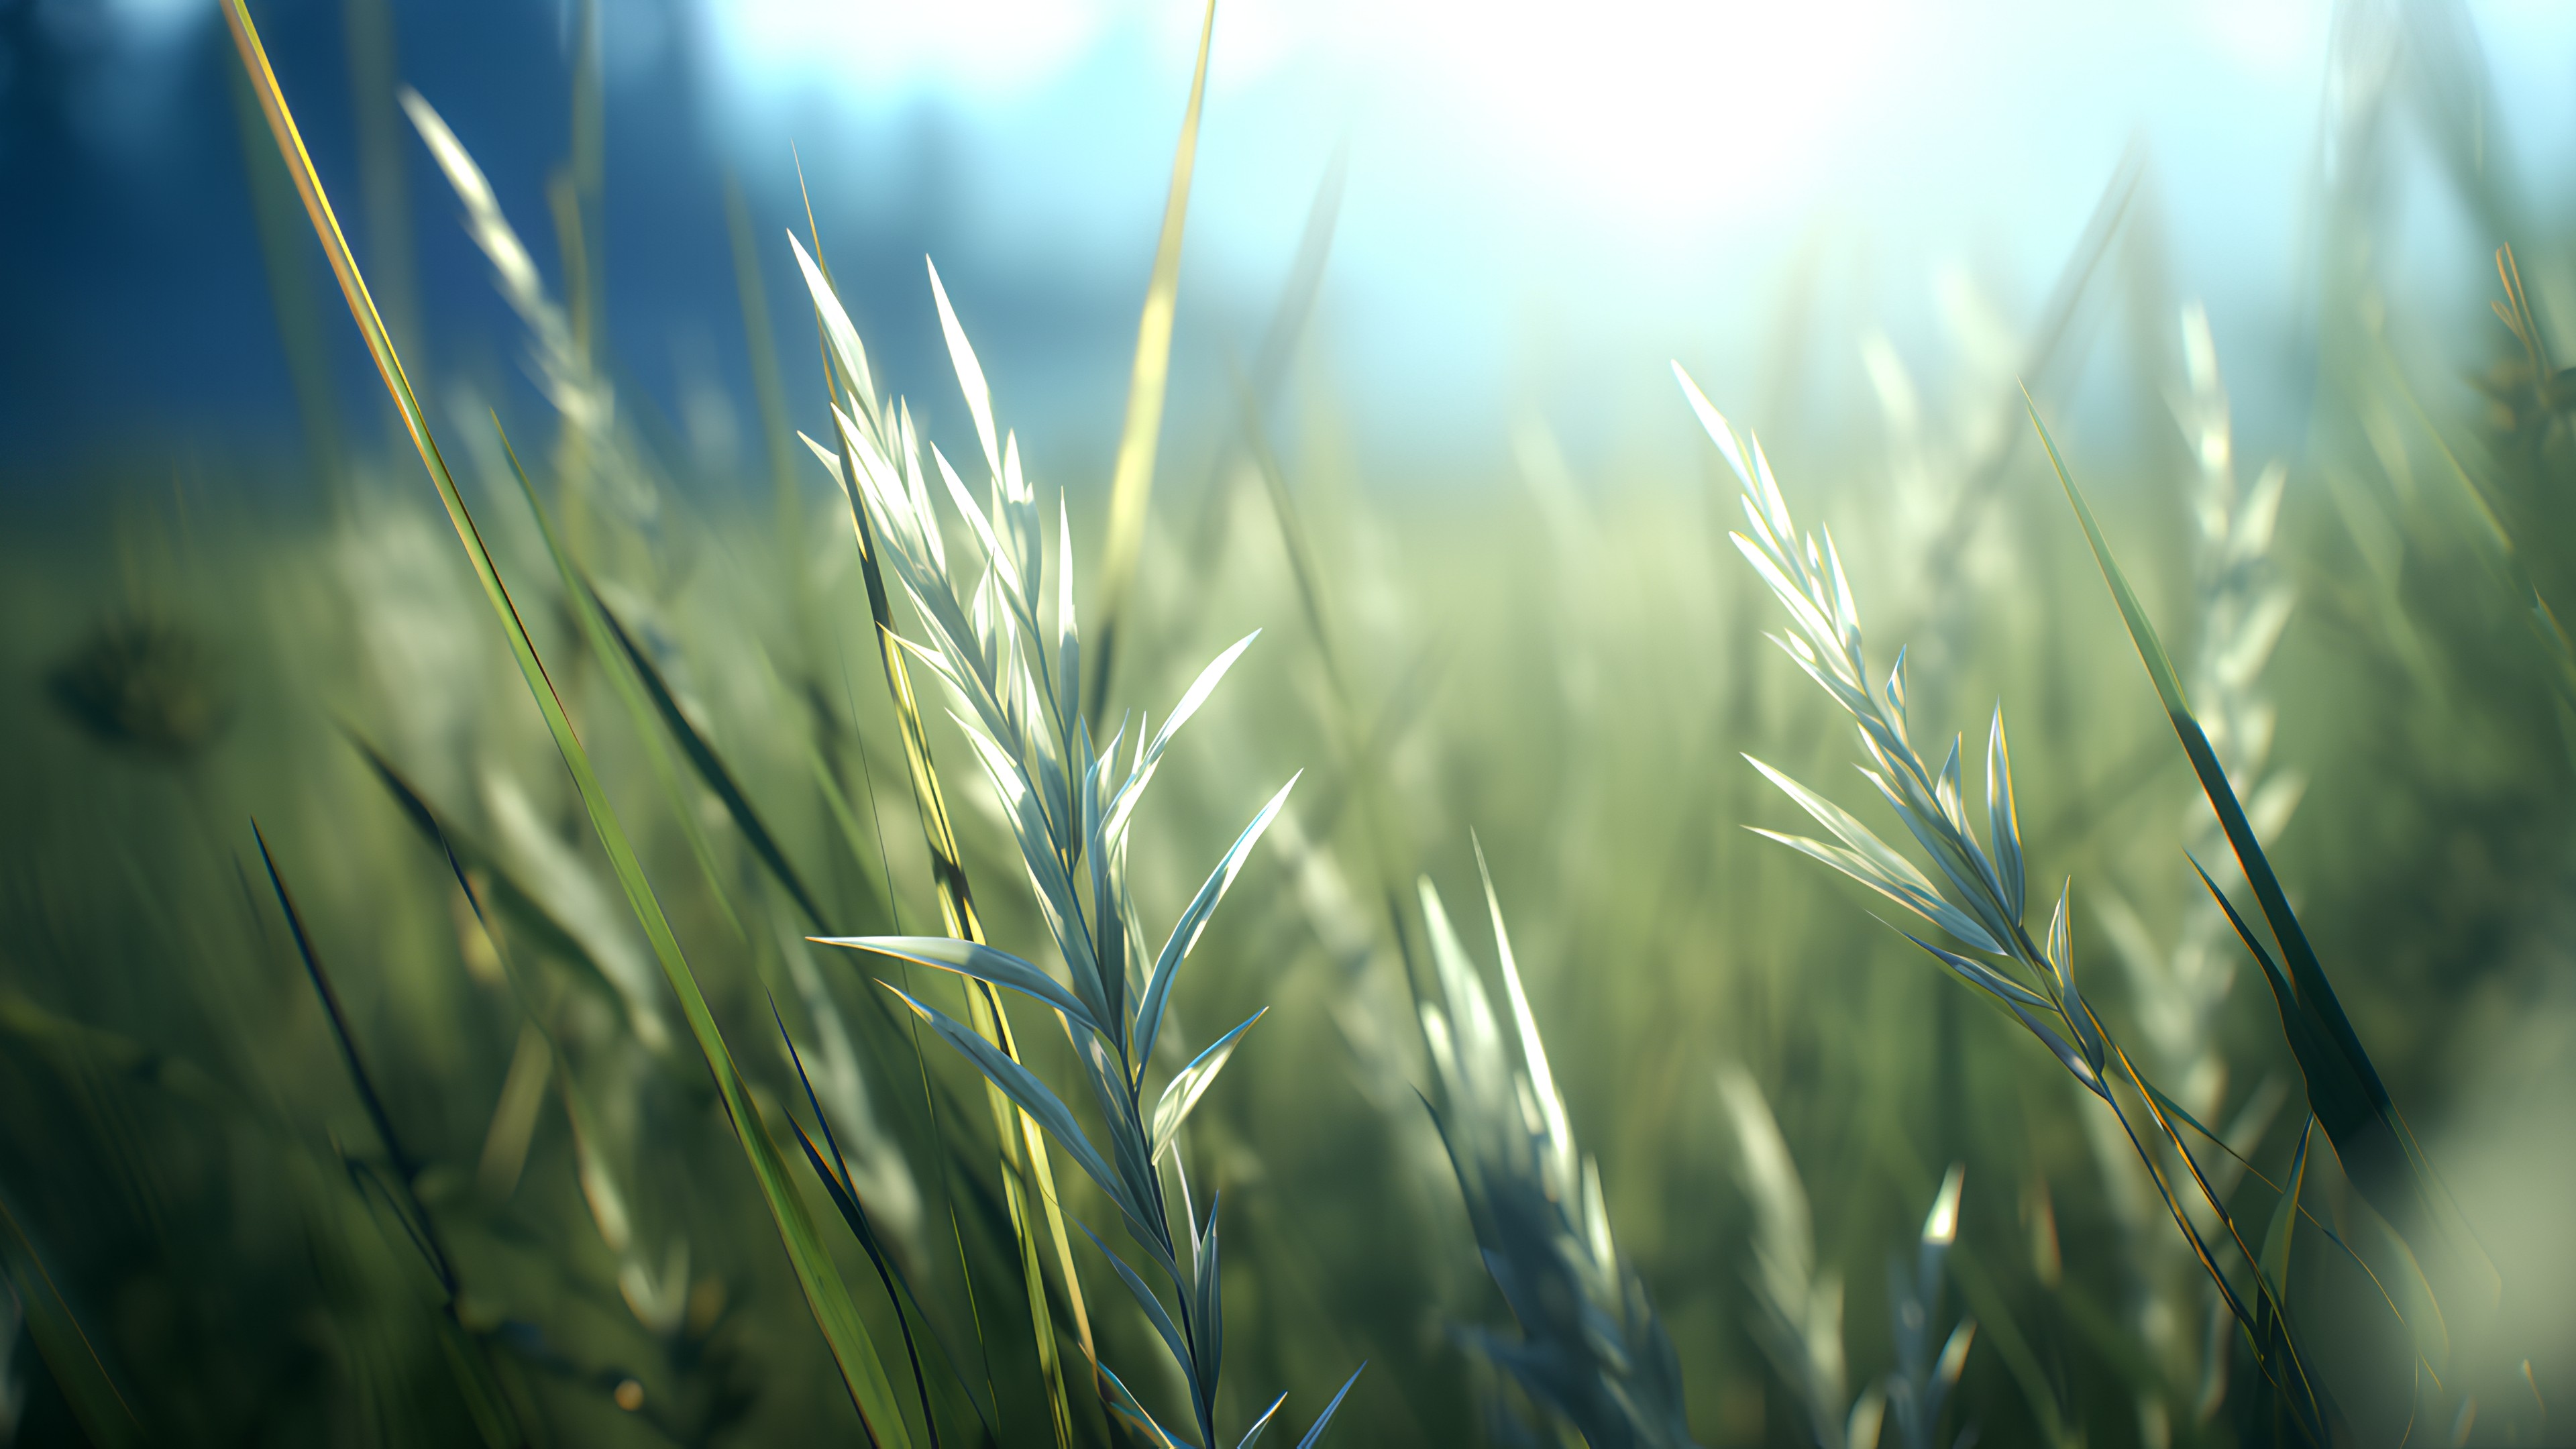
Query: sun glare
{"type": "Point", "coordinates": [1653, 110]}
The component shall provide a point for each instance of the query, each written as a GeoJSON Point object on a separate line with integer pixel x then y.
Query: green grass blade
{"type": "Point", "coordinates": [979, 961]}
{"type": "Point", "coordinates": [583, 604]}
{"type": "Point", "coordinates": [415, 1219]}
{"type": "Point", "coordinates": [1131, 1415]}
{"type": "Point", "coordinates": [1040, 1102]}
{"type": "Point", "coordinates": [843, 1190]}
{"type": "Point", "coordinates": [1252, 1436]}
{"type": "Point", "coordinates": [1985, 1298]}
{"type": "Point", "coordinates": [2300, 1398]}
{"type": "Point", "coordinates": [2344, 1089]}
{"type": "Point", "coordinates": [1161, 1318]}
{"type": "Point", "coordinates": [467, 1356]}
{"type": "Point", "coordinates": [402, 1161]}
{"type": "Point", "coordinates": [824, 1288]}
{"type": "Point", "coordinates": [1132, 485]}
{"type": "Point", "coordinates": [710, 766]}
{"type": "Point", "coordinates": [834, 1311]}
{"type": "Point", "coordinates": [958, 918]}
{"type": "Point", "coordinates": [101, 1408]}
{"type": "Point", "coordinates": [1191, 1083]}
{"type": "Point", "coordinates": [1315, 1431]}
{"type": "Point", "coordinates": [484, 878]}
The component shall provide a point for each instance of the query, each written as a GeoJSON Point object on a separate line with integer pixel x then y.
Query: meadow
{"type": "Point", "coordinates": [540, 948]}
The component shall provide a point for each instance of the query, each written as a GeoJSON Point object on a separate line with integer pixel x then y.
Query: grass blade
{"type": "Point", "coordinates": [482, 875]}
{"type": "Point", "coordinates": [956, 898]}
{"type": "Point", "coordinates": [1191, 1083]}
{"type": "Point", "coordinates": [1039, 1101]}
{"type": "Point", "coordinates": [851, 1345]}
{"type": "Point", "coordinates": [834, 1311]}
{"type": "Point", "coordinates": [843, 1190]}
{"type": "Point", "coordinates": [709, 765]}
{"type": "Point", "coordinates": [1316, 1430]}
{"type": "Point", "coordinates": [979, 962]}
{"type": "Point", "coordinates": [2344, 1089]}
{"type": "Point", "coordinates": [1132, 485]}
{"type": "Point", "coordinates": [2304, 1403]}
{"type": "Point", "coordinates": [484, 1400]}
{"type": "Point", "coordinates": [102, 1409]}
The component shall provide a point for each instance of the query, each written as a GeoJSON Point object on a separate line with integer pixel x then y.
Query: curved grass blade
{"type": "Point", "coordinates": [1210, 1293]}
{"type": "Point", "coordinates": [710, 766]}
{"type": "Point", "coordinates": [1191, 1083]}
{"type": "Point", "coordinates": [1185, 931]}
{"type": "Point", "coordinates": [100, 1407]}
{"type": "Point", "coordinates": [2271, 1400]}
{"type": "Point", "coordinates": [1872, 862]}
{"type": "Point", "coordinates": [834, 1311]}
{"type": "Point", "coordinates": [1316, 1430]}
{"type": "Point", "coordinates": [1252, 1435]}
{"type": "Point", "coordinates": [2018, 1001]}
{"type": "Point", "coordinates": [585, 609]}
{"type": "Point", "coordinates": [1132, 485]}
{"type": "Point", "coordinates": [403, 1164]}
{"type": "Point", "coordinates": [2003, 821]}
{"type": "Point", "coordinates": [527, 915]}
{"type": "Point", "coordinates": [2040, 1390]}
{"type": "Point", "coordinates": [485, 1402]}
{"type": "Point", "coordinates": [1131, 1414]}
{"type": "Point", "coordinates": [976, 960]}
{"type": "Point", "coordinates": [2344, 1088]}
{"type": "Point", "coordinates": [1158, 1315]}
{"type": "Point", "coordinates": [843, 1190]}
{"type": "Point", "coordinates": [1038, 1101]}
{"type": "Point", "coordinates": [948, 877]}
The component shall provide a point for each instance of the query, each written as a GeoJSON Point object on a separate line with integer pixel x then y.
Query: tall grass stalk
{"type": "Point", "coordinates": [1015, 665]}
{"type": "Point", "coordinates": [1028, 1176]}
{"type": "Point", "coordinates": [1981, 900]}
{"type": "Point", "coordinates": [1591, 1352]}
{"type": "Point", "coordinates": [1131, 486]}
{"type": "Point", "coordinates": [13, 1392]}
{"type": "Point", "coordinates": [1802, 1302]}
{"type": "Point", "coordinates": [834, 1310]}
{"type": "Point", "coordinates": [586, 403]}
{"type": "Point", "coordinates": [601, 458]}
{"type": "Point", "coordinates": [2181, 990]}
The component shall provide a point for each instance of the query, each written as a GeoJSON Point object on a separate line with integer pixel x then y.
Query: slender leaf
{"type": "Point", "coordinates": [2003, 821]}
{"type": "Point", "coordinates": [977, 960]}
{"type": "Point", "coordinates": [1253, 1435]}
{"type": "Point", "coordinates": [1316, 1430]}
{"type": "Point", "coordinates": [527, 916]}
{"type": "Point", "coordinates": [1124, 1408]}
{"type": "Point", "coordinates": [2344, 1089]}
{"type": "Point", "coordinates": [842, 1187]}
{"type": "Point", "coordinates": [834, 1311]}
{"type": "Point", "coordinates": [1038, 1101]}
{"type": "Point", "coordinates": [1159, 1316]}
{"type": "Point", "coordinates": [1132, 483]}
{"type": "Point", "coordinates": [102, 1409]}
{"type": "Point", "coordinates": [710, 766]}
{"type": "Point", "coordinates": [485, 1401]}
{"type": "Point", "coordinates": [1191, 1083]}
{"type": "Point", "coordinates": [1185, 931]}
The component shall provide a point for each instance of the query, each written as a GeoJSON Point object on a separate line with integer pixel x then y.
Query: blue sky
{"type": "Point", "coordinates": [1541, 208]}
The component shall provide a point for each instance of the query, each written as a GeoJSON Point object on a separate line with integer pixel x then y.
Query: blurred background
{"type": "Point", "coordinates": [1533, 214]}
{"type": "Point", "coordinates": [1423, 431]}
